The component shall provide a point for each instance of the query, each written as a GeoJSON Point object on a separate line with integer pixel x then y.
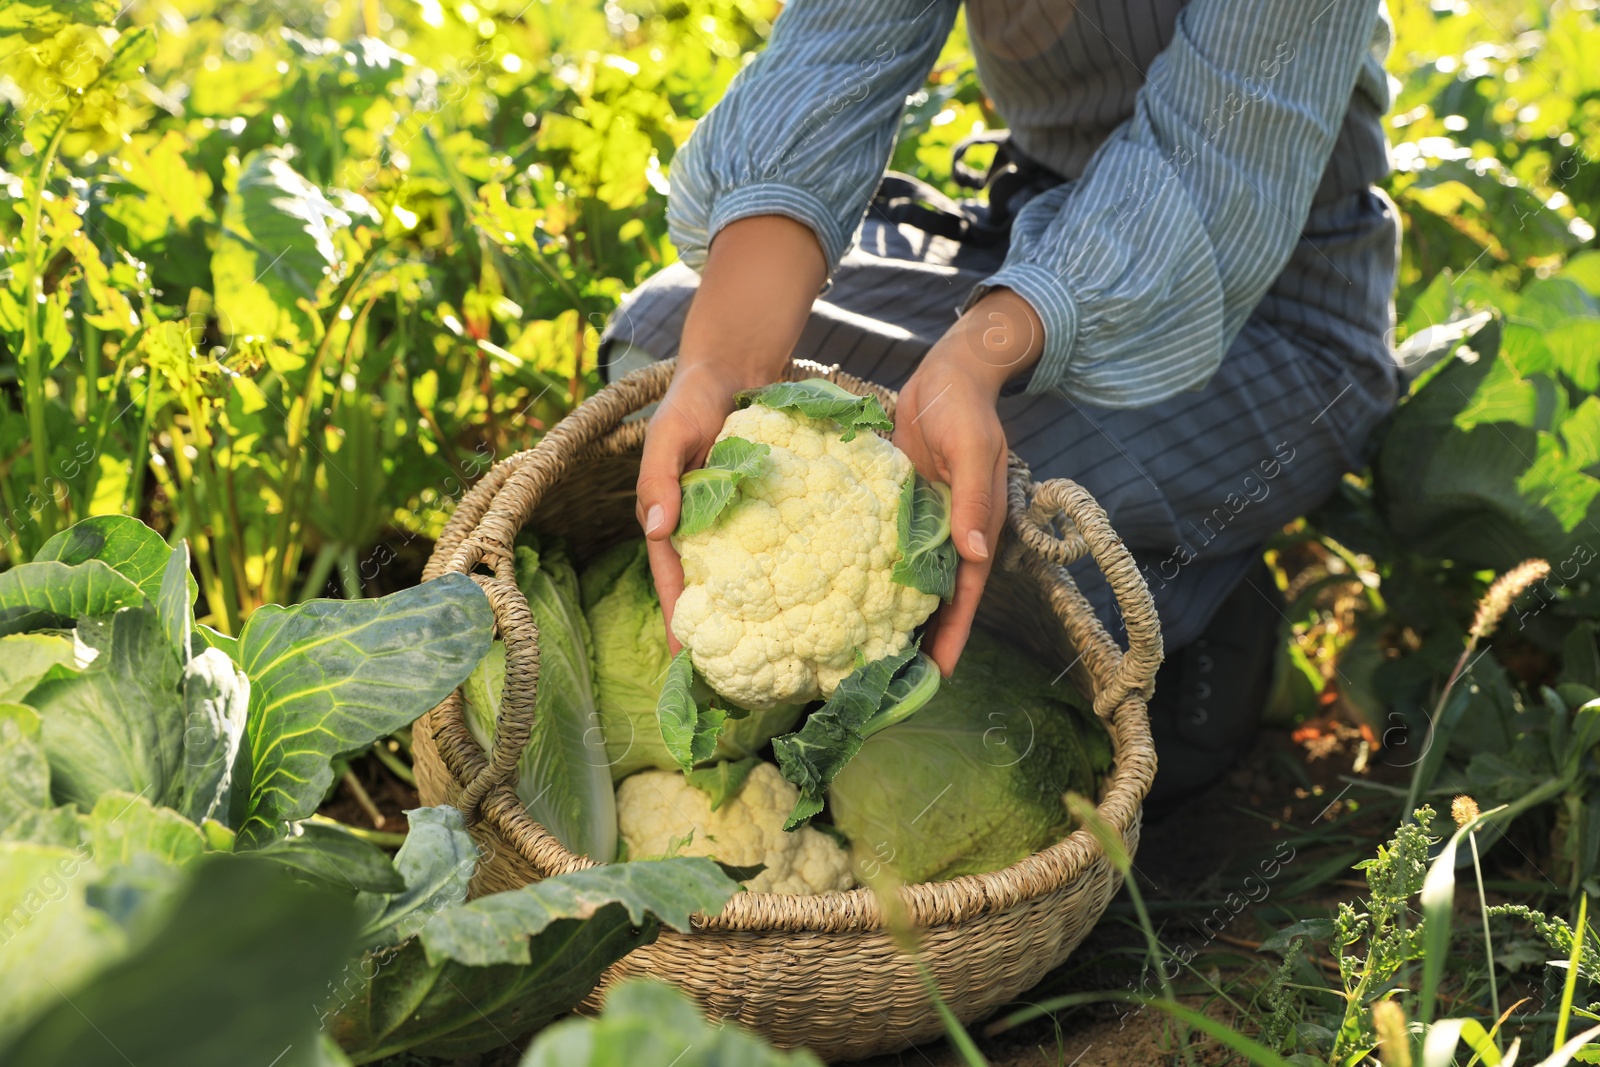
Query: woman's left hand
{"type": "Point", "coordinates": [946, 422]}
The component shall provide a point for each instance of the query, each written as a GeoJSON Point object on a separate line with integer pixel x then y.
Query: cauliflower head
{"type": "Point", "coordinates": [796, 575]}
{"type": "Point", "coordinates": [658, 810]}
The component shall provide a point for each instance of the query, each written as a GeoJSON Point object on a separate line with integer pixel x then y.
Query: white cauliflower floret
{"type": "Point", "coordinates": [658, 810]}
{"type": "Point", "coordinates": [794, 578]}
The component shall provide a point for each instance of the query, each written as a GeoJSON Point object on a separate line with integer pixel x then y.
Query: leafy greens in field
{"type": "Point", "coordinates": [564, 776]}
{"type": "Point", "coordinates": [329, 677]}
{"type": "Point", "coordinates": [39, 595]}
{"type": "Point", "coordinates": [709, 490]}
{"type": "Point", "coordinates": [277, 247]}
{"type": "Point", "coordinates": [233, 944]}
{"type": "Point", "coordinates": [1496, 456]}
{"type": "Point", "coordinates": [118, 848]}
{"type": "Point", "coordinates": [131, 703]}
{"type": "Point", "coordinates": [818, 398]}
{"type": "Point", "coordinates": [478, 972]}
{"type": "Point", "coordinates": [125, 544]}
{"type": "Point", "coordinates": [647, 1023]}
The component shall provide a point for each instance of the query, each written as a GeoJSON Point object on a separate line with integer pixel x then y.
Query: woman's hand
{"type": "Point", "coordinates": [762, 275]}
{"type": "Point", "coordinates": [946, 422]}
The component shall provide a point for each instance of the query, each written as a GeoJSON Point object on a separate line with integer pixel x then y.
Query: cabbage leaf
{"type": "Point", "coordinates": [974, 781]}
{"type": "Point", "coordinates": [510, 962]}
{"type": "Point", "coordinates": [122, 543]}
{"type": "Point", "coordinates": [35, 596]}
{"type": "Point", "coordinates": [329, 677]}
{"type": "Point", "coordinates": [563, 777]}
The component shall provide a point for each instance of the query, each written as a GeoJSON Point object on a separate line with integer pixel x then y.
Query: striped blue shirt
{"type": "Point", "coordinates": [1195, 138]}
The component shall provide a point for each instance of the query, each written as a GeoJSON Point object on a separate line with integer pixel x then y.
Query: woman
{"type": "Point", "coordinates": [1178, 293]}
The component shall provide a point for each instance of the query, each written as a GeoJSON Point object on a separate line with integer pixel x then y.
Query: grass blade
{"type": "Point", "coordinates": [1438, 898]}
{"type": "Point", "coordinates": [1252, 1050]}
{"type": "Point", "coordinates": [1580, 931]}
{"type": "Point", "coordinates": [1563, 1055]}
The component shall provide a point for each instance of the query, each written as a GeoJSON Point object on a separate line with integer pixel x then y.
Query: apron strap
{"type": "Point", "coordinates": [1011, 178]}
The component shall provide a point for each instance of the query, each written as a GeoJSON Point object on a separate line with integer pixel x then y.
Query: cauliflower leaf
{"type": "Point", "coordinates": [709, 490]}
{"type": "Point", "coordinates": [927, 560]}
{"type": "Point", "coordinates": [721, 781]}
{"type": "Point", "coordinates": [833, 734]}
{"type": "Point", "coordinates": [819, 398]}
{"type": "Point", "coordinates": [689, 728]}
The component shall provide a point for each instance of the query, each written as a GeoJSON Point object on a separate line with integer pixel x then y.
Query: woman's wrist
{"type": "Point", "coordinates": [722, 372]}
{"type": "Point", "coordinates": [761, 276]}
{"type": "Point", "coordinates": [999, 338]}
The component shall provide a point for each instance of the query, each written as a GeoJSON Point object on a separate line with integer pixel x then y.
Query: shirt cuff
{"type": "Point", "coordinates": [1047, 293]}
{"type": "Point", "coordinates": [776, 198]}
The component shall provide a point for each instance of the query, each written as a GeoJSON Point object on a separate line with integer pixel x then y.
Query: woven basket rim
{"type": "Point", "coordinates": [1048, 526]}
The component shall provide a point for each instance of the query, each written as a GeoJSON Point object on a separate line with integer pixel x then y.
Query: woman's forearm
{"type": "Point", "coordinates": [761, 276]}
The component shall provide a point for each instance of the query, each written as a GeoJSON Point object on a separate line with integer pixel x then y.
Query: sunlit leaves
{"type": "Point", "coordinates": [1492, 459]}
{"type": "Point", "coordinates": [277, 251]}
{"type": "Point", "coordinates": [329, 677]}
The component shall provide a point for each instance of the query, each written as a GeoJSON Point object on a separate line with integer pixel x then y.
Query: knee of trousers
{"type": "Point", "coordinates": [647, 325]}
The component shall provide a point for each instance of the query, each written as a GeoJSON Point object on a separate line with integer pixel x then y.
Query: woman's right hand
{"type": "Point", "coordinates": [679, 436]}
{"type": "Point", "coordinates": [761, 275]}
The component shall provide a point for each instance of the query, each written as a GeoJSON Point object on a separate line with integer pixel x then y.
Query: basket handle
{"type": "Point", "coordinates": [1058, 521]}
{"type": "Point", "coordinates": [514, 719]}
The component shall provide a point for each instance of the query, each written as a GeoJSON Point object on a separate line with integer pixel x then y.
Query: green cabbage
{"type": "Point", "coordinates": [631, 660]}
{"type": "Point", "coordinates": [973, 781]}
{"type": "Point", "coordinates": [563, 777]}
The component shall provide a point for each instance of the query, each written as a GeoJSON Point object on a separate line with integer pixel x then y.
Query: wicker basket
{"type": "Point", "coordinates": [814, 971]}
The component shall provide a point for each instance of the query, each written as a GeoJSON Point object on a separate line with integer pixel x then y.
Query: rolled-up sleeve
{"type": "Point", "coordinates": [806, 129]}
{"type": "Point", "coordinates": [1145, 268]}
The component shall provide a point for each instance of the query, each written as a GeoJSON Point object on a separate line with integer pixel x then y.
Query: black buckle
{"type": "Point", "coordinates": [967, 177]}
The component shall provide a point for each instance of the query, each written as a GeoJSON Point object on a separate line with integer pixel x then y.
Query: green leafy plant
{"type": "Point", "coordinates": [650, 1024]}
{"type": "Point", "coordinates": [146, 754]}
{"type": "Point", "coordinates": [1371, 945]}
{"type": "Point", "coordinates": [818, 398]}
{"type": "Point", "coordinates": [285, 293]}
